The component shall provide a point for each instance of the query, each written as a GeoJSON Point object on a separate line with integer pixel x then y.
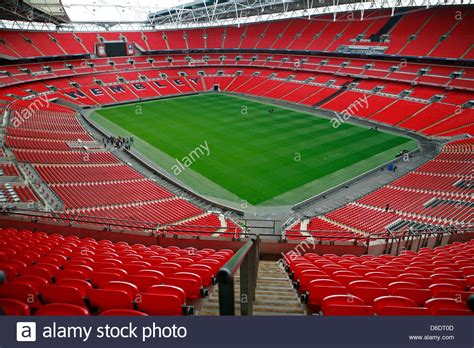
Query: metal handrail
{"type": "Point", "coordinates": [246, 258]}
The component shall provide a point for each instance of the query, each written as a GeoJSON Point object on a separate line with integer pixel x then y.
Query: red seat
{"type": "Point", "coordinates": [143, 281]}
{"type": "Point", "coordinates": [81, 285]}
{"type": "Point", "coordinates": [341, 300]}
{"type": "Point", "coordinates": [363, 284]}
{"type": "Point", "coordinates": [352, 310]}
{"type": "Point", "coordinates": [437, 304]}
{"type": "Point", "coordinates": [345, 279]}
{"type": "Point", "coordinates": [456, 294]}
{"type": "Point", "coordinates": [86, 270]}
{"type": "Point", "coordinates": [123, 313]}
{"type": "Point", "coordinates": [420, 296]}
{"type": "Point", "coordinates": [34, 281]}
{"type": "Point", "coordinates": [317, 293]}
{"type": "Point", "coordinates": [71, 274]}
{"type": "Point", "coordinates": [109, 299]}
{"type": "Point", "coordinates": [167, 269]}
{"type": "Point", "coordinates": [160, 304]}
{"type": "Point", "coordinates": [439, 287]}
{"type": "Point", "coordinates": [133, 268]}
{"type": "Point", "coordinates": [403, 285]}
{"type": "Point", "coordinates": [403, 311]}
{"type": "Point", "coordinates": [36, 270]}
{"type": "Point", "coordinates": [369, 294]}
{"type": "Point", "coordinates": [61, 309]}
{"type": "Point", "coordinates": [10, 306]}
{"type": "Point", "coordinates": [21, 292]}
{"type": "Point", "coordinates": [61, 294]}
{"type": "Point", "coordinates": [204, 271]}
{"type": "Point", "coordinates": [129, 288]}
{"type": "Point", "coordinates": [454, 312]}
{"type": "Point", "coordinates": [392, 301]}
{"type": "Point", "coordinates": [99, 278]}
{"type": "Point", "coordinates": [382, 280]}
{"type": "Point", "coordinates": [191, 283]}
{"type": "Point", "coordinates": [167, 290]}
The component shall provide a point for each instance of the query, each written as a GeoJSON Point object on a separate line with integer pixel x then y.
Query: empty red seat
{"type": "Point", "coordinates": [204, 271]}
{"type": "Point", "coordinates": [191, 284]}
{"type": "Point", "coordinates": [104, 299]}
{"type": "Point", "coordinates": [454, 312]}
{"type": "Point", "coordinates": [128, 287]}
{"type": "Point", "coordinates": [420, 296]}
{"type": "Point", "coordinates": [369, 294]}
{"type": "Point", "coordinates": [167, 290]}
{"type": "Point", "coordinates": [143, 281]}
{"type": "Point", "coordinates": [10, 306]}
{"type": "Point", "coordinates": [352, 310]}
{"type": "Point", "coordinates": [61, 309]}
{"type": "Point", "coordinates": [21, 292]}
{"type": "Point", "coordinates": [342, 300]}
{"type": "Point", "coordinates": [34, 281]}
{"type": "Point", "coordinates": [456, 294]}
{"type": "Point", "coordinates": [161, 304]}
{"type": "Point", "coordinates": [317, 293]}
{"type": "Point", "coordinates": [123, 313]}
{"type": "Point", "coordinates": [437, 304]}
{"type": "Point", "coordinates": [363, 284]}
{"type": "Point", "coordinates": [37, 270]}
{"type": "Point", "coordinates": [439, 287]}
{"type": "Point", "coordinates": [392, 301]}
{"type": "Point", "coordinates": [61, 294]}
{"type": "Point", "coordinates": [99, 278]}
{"type": "Point", "coordinates": [403, 284]}
{"type": "Point", "coordinates": [403, 311]}
{"type": "Point", "coordinates": [81, 285]}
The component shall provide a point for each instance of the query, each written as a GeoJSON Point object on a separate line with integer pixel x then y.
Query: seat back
{"type": "Point", "coordinates": [437, 304]}
{"type": "Point", "coordinates": [392, 301]}
{"type": "Point", "coordinates": [369, 294]}
{"type": "Point", "coordinates": [123, 313]}
{"type": "Point", "coordinates": [160, 304]}
{"type": "Point", "coordinates": [81, 285]}
{"type": "Point", "coordinates": [352, 310]}
{"type": "Point", "coordinates": [61, 294]}
{"type": "Point", "coordinates": [61, 309]}
{"type": "Point", "coordinates": [105, 299]}
{"type": "Point", "coordinates": [167, 290]}
{"type": "Point", "coordinates": [10, 306]}
{"type": "Point", "coordinates": [403, 311]}
{"type": "Point", "coordinates": [21, 292]}
{"type": "Point", "coordinates": [128, 287]}
{"type": "Point", "coordinates": [143, 281]}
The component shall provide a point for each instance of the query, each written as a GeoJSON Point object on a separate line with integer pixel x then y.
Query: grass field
{"type": "Point", "coordinates": [248, 153]}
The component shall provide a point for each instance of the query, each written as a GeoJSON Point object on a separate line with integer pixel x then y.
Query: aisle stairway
{"type": "Point", "coordinates": [274, 294]}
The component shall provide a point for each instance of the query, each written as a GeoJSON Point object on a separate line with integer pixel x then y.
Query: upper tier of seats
{"type": "Point", "coordinates": [436, 32]}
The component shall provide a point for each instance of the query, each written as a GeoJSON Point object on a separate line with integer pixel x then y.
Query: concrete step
{"type": "Point", "coordinates": [274, 294]}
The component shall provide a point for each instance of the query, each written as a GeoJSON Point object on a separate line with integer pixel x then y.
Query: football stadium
{"type": "Point", "coordinates": [236, 158]}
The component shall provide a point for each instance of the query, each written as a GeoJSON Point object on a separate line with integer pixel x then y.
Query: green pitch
{"type": "Point", "coordinates": [237, 150]}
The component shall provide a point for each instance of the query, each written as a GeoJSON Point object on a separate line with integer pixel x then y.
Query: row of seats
{"type": "Point", "coordinates": [321, 33]}
{"type": "Point", "coordinates": [428, 282]}
{"type": "Point", "coordinates": [80, 178]}
{"type": "Point", "coordinates": [57, 275]}
{"type": "Point", "coordinates": [419, 116]}
{"type": "Point", "coordinates": [439, 193]}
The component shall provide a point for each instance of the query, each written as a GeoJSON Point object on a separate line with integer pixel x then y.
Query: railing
{"type": "Point", "coordinates": [247, 259]}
